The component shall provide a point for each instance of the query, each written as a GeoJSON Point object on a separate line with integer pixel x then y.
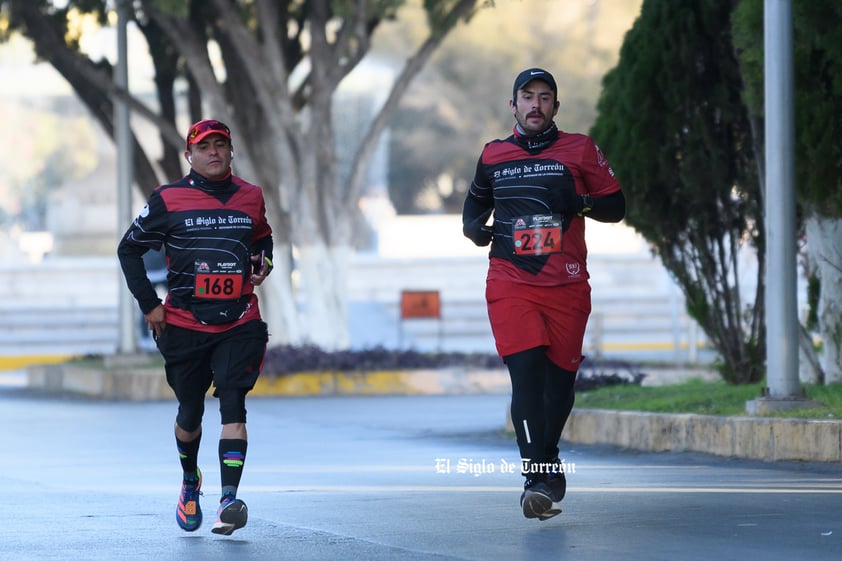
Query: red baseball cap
{"type": "Point", "coordinates": [203, 128]}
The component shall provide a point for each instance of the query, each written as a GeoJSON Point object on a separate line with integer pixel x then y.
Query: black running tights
{"type": "Point", "coordinates": [542, 398]}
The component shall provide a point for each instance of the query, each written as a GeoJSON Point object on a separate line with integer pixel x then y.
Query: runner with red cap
{"type": "Point", "coordinates": [218, 246]}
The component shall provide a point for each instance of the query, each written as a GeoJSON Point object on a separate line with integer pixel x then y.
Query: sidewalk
{"type": "Point", "coordinates": [756, 438]}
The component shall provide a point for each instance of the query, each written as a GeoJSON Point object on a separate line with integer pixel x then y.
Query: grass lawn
{"type": "Point", "coordinates": [705, 398]}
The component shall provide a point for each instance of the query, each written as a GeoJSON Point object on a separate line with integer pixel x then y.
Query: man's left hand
{"type": "Point", "coordinates": [260, 274]}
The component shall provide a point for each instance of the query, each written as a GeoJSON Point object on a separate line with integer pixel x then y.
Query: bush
{"type": "Point", "coordinates": [600, 374]}
{"type": "Point", "coordinates": [309, 358]}
{"type": "Point", "coordinates": [285, 359]}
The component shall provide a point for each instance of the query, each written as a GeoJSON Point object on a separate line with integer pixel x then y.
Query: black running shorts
{"type": "Point", "coordinates": [194, 359]}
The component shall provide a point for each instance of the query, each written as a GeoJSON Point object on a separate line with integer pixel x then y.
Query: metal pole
{"type": "Point", "coordinates": [781, 312]}
{"type": "Point", "coordinates": [122, 135]}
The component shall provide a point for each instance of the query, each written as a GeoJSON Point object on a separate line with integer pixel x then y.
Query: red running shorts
{"type": "Point", "coordinates": [524, 317]}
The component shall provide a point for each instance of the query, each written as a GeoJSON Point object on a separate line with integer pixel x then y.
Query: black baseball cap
{"type": "Point", "coordinates": [534, 74]}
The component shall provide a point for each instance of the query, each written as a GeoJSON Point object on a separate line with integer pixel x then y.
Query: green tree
{"type": "Point", "coordinates": [817, 57]}
{"type": "Point", "coordinates": [673, 125]}
{"type": "Point", "coordinates": [274, 82]}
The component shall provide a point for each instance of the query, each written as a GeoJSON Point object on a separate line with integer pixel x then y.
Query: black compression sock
{"type": "Point", "coordinates": [232, 456]}
{"type": "Point", "coordinates": [188, 454]}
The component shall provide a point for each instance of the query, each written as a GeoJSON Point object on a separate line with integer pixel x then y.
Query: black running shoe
{"type": "Point", "coordinates": [557, 484]}
{"type": "Point", "coordinates": [537, 501]}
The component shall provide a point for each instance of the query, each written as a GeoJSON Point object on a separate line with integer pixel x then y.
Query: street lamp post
{"type": "Point", "coordinates": [123, 137]}
{"type": "Point", "coordinates": [782, 389]}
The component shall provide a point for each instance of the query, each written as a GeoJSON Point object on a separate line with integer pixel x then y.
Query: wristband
{"type": "Point", "coordinates": [267, 260]}
{"type": "Point", "coordinates": [587, 205]}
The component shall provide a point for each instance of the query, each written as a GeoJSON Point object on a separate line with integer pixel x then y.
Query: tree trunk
{"type": "Point", "coordinates": [809, 368]}
{"type": "Point", "coordinates": [324, 279]}
{"type": "Point", "coordinates": [824, 245]}
{"type": "Point", "coordinates": [278, 301]}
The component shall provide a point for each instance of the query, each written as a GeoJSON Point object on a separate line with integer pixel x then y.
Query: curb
{"type": "Point", "coordinates": [146, 382]}
{"type": "Point", "coordinates": [8, 363]}
{"type": "Point", "coordinates": [755, 438]}
{"type": "Point", "coordinates": [452, 381]}
{"type": "Point", "coordinates": [131, 383]}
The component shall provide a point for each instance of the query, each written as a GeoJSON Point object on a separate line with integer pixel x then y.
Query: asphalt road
{"type": "Point", "coordinates": [366, 478]}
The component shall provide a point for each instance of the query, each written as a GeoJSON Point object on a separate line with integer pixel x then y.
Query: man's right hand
{"type": "Point", "coordinates": [477, 231]}
{"type": "Point", "coordinates": [156, 320]}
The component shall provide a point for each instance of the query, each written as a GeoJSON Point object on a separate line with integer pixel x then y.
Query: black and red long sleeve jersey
{"type": "Point", "coordinates": [522, 179]}
{"type": "Point", "coordinates": [209, 230]}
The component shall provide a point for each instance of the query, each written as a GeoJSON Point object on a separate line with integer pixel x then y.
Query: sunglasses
{"type": "Point", "coordinates": [204, 128]}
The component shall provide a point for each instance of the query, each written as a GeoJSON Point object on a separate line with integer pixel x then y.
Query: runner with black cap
{"type": "Point", "coordinates": [218, 246]}
{"type": "Point", "coordinates": [540, 183]}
